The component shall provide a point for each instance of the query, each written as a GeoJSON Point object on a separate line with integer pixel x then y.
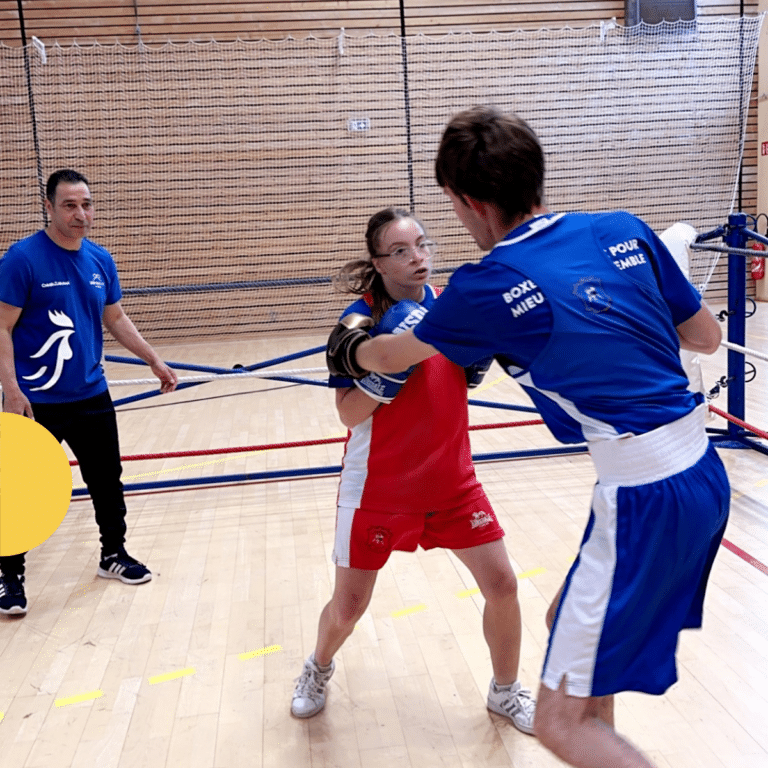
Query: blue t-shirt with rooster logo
{"type": "Point", "coordinates": [58, 339]}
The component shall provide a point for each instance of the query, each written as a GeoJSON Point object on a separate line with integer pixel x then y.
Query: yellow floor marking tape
{"type": "Point", "coordinates": [231, 457]}
{"type": "Point", "coordinates": [171, 675]}
{"type": "Point", "coordinates": [532, 572]}
{"type": "Point", "coordinates": [260, 652]}
{"type": "Point", "coordinates": [77, 699]}
{"type": "Point", "coordinates": [407, 611]}
{"type": "Point", "coordinates": [524, 575]}
{"type": "Point", "coordinates": [487, 385]}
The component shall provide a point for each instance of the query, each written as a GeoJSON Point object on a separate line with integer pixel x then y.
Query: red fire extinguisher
{"type": "Point", "coordinates": [757, 265]}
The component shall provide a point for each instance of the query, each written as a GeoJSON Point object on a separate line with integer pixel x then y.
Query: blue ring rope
{"type": "Point", "coordinates": [245, 285]}
{"type": "Point", "coordinates": [323, 471]}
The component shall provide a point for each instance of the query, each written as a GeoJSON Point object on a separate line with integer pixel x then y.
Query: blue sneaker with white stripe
{"type": "Point", "coordinates": [13, 601]}
{"type": "Point", "coordinates": [121, 565]}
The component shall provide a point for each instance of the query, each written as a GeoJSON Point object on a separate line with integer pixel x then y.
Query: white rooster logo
{"type": "Point", "coordinates": [64, 351]}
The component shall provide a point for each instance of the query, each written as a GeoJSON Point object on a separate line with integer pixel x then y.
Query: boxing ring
{"type": "Point", "coordinates": [738, 433]}
{"type": "Point", "coordinates": [735, 235]}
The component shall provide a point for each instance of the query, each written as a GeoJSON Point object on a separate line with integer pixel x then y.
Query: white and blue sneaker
{"type": "Point", "coordinates": [13, 601]}
{"type": "Point", "coordinates": [120, 565]}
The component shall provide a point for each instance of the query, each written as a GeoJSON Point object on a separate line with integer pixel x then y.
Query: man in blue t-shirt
{"type": "Point", "coordinates": [56, 289]}
{"type": "Point", "coordinates": [588, 312]}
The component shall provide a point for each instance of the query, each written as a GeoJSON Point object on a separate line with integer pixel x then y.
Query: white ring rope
{"type": "Point", "coordinates": [743, 350]}
{"type": "Point", "coordinates": [301, 371]}
{"type": "Point", "coordinates": [217, 376]}
{"type": "Point", "coordinates": [726, 249]}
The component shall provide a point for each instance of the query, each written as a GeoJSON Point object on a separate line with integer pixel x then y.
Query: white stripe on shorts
{"type": "Point", "coordinates": [576, 636]}
{"type": "Point", "coordinates": [344, 519]}
{"type": "Point", "coordinates": [624, 462]}
{"type": "Point", "coordinates": [354, 470]}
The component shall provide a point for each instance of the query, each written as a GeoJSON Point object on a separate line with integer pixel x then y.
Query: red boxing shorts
{"type": "Point", "coordinates": [365, 539]}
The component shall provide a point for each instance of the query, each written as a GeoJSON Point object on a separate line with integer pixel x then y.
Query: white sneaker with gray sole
{"type": "Point", "coordinates": [309, 694]}
{"type": "Point", "coordinates": [515, 702]}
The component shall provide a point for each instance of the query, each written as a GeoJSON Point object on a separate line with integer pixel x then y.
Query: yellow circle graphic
{"type": "Point", "coordinates": [35, 484]}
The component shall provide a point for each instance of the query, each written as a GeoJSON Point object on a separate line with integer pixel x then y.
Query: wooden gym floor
{"type": "Point", "coordinates": [196, 668]}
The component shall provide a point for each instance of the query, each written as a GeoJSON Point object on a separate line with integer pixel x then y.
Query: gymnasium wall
{"type": "Point", "coordinates": [87, 21]}
{"type": "Point", "coordinates": [157, 21]}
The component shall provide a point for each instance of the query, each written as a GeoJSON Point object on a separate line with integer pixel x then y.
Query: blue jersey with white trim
{"type": "Point", "coordinates": [581, 309]}
{"type": "Point", "coordinates": [58, 338]}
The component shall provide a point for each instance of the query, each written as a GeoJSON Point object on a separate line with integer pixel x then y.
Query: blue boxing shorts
{"type": "Point", "coordinates": [659, 511]}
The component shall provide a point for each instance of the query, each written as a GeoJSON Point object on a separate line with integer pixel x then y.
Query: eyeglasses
{"type": "Point", "coordinates": [425, 249]}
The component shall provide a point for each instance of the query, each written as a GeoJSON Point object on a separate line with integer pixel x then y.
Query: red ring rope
{"type": "Point", "coordinates": [739, 422]}
{"type": "Point", "coordinates": [272, 446]}
{"type": "Point", "coordinates": [325, 441]}
{"type": "Point", "coordinates": [727, 544]}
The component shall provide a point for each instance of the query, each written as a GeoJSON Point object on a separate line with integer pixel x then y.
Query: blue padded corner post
{"type": "Point", "coordinates": [736, 237]}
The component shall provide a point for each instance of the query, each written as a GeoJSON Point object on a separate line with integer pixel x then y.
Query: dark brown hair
{"type": "Point", "coordinates": [359, 276]}
{"type": "Point", "coordinates": [494, 158]}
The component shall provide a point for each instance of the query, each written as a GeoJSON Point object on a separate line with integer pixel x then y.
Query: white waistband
{"type": "Point", "coordinates": [646, 458]}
